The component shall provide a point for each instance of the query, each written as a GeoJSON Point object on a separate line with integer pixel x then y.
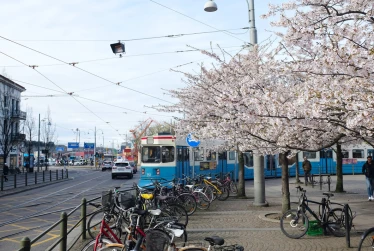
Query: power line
{"type": "Point", "coordinates": [131, 39]}
{"type": "Point", "coordinates": [180, 13]}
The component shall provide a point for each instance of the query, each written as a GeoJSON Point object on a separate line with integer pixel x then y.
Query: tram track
{"type": "Point", "coordinates": [52, 206]}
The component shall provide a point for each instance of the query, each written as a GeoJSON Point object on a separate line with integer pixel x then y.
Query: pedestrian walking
{"type": "Point", "coordinates": [307, 170]}
{"type": "Point", "coordinates": [5, 171]}
{"type": "Point", "coordinates": [368, 171]}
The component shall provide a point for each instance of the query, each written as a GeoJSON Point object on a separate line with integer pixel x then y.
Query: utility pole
{"type": "Point", "coordinates": [38, 144]}
{"type": "Point", "coordinates": [95, 149]}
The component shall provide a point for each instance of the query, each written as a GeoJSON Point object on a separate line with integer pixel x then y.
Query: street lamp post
{"type": "Point", "coordinates": [258, 165]}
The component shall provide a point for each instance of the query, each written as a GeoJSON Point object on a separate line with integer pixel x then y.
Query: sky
{"type": "Point", "coordinates": [81, 31]}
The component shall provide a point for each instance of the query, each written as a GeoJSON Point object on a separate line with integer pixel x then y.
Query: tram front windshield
{"type": "Point", "coordinates": [156, 154]}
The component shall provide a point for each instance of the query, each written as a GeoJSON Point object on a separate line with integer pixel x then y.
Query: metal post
{"type": "Point", "coordinates": [62, 173]}
{"type": "Point", "coordinates": [36, 177]}
{"type": "Point", "coordinates": [50, 175]}
{"type": "Point", "coordinates": [2, 182]}
{"type": "Point", "coordinates": [348, 226]}
{"type": "Point", "coordinates": [95, 150]}
{"type": "Point", "coordinates": [329, 181]}
{"type": "Point", "coordinates": [63, 231]}
{"type": "Point", "coordinates": [15, 180]}
{"type": "Point", "coordinates": [56, 174]}
{"type": "Point", "coordinates": [25, 244]}
{"type": "Point", "coordinates": [83, 217]}
{"type": "Point", "coordinates": [38, 144]}
{"type": "Point", "coordinates": [26, 179]}
{"type": "Point", "coordinates": [67, 174]}
{"type": "Point", "coordinates": [43, 176]}
{"type": "Point", "coordinates": [320, 181]}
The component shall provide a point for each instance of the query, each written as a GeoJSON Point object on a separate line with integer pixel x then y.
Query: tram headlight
{"type": "Point", "coordinates": [143, 172]}
{"type": "Point", "coordinates": [158, 171]}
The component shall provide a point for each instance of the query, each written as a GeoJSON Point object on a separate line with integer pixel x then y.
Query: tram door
{"type": "Point", "coordinates": [183, 162]}
{"type": "Point", "coordinates": [326, 161]}
{"type": "Point", "coordinates": [222, 163]}
{"type": "Point", "coordinates": [271, 170]}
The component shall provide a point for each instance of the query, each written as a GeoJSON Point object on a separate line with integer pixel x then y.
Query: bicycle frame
{"type": "Point", "coordinates": [207, 182]}
{"type": "Point", "coordinates": [107, 232]}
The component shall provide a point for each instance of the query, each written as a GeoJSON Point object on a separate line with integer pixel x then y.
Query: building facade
{"type": "Point", "coordinates": [11, 116]}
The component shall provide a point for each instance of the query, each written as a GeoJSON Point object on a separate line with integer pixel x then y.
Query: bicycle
{"type": "Point", "coordinates": [367, 240]}
{"type": "Point", "coordinates": [215, 243]}
{"type": "Point", "coordinates": [219, 191]}
{"type": "Point", "coordinates": [295, 223]}
{"type": "Point", "coordinates": [228, 182]}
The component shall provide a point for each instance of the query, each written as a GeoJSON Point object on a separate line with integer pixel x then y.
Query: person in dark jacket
{"type": "Point", "coordinates": [5, 171]}
{"type": "Point", "coordinates": [368, 170]}
{"type": "Point", "coordinates": [307, 170]}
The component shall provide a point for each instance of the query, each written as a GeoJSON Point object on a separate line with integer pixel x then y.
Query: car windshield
{"type": "Point", "coordinates": [122, 164]}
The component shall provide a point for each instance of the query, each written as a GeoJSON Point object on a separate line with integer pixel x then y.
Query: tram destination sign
{"type": "Point", "coordinates": [73, 145]}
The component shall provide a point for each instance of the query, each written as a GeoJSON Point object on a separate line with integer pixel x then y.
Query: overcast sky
{"type": "Point", "coordinates": [35, 23]}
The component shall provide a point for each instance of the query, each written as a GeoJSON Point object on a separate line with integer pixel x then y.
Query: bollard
{"type": "Point", "coordinates": [63, 231]}
{"type": "Point", "coordinates": [43, 176]}
{"type": "Point", "coordinates": [320, 182]}
{"type": "Point", "coordinates": [36, 177]}
{"type": "Point", "coordinates": [25, 244]}
{"type": "Point", "coordinates": [62, 173]}
{"type": "Point", "coordinates": [347, 226]}
{"type": "Point", "coordinates": [50, 175]}
{"type": "Point", "coordinates": [26, 179]}
{"type": "Point", "coordinates": [67, 175]}
{"type": "Point", "coordinates": [2, 182]}
{"type": "Point", "coordinates": [15, 180]}
{"type": "Point", "coordinates": [56, 174]}
{"type": "Point", "coordinates": [83, 217]}
{"type": "Point", "coordinates": [329, 181]}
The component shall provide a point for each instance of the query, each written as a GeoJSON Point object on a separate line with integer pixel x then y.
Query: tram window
{"type": "Point", "coordinates": [211, 155]}
{"type": "Point", "coordinates": [151, 154]}
{"type": "Point", "coordinates": [370, 152]}
{"type": "Point", "coordinates": [222, 156]}
{"type": "Point", "coordinates": [199, 154]}
{"type": "Point", "coordinates": [345, 154]}
{"type": "Point", "coordinates": [168, 154]}
{"type": "Point", "coordinates": [357, 153]}
{"type": "Point", "coordinates": [248, 158]}
{"type": "Point", "coordinates": [310, 155]}
{"type": "Point", "coordinates": [232, 155]}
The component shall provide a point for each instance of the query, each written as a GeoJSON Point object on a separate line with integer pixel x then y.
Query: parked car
{"type": "Point", "coordinates": [122, 168]}
{"type": "Point", "coordinates": [134, 166]}
{"type": "Point", "coordinates": [106, 165]}
{"type": "Point", "coordinates": [79, 162]}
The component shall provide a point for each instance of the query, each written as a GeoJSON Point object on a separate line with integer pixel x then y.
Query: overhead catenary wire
{"type": "Point", "coordinates": [131, 39]}
{"type": "Point", "coordinates": [180, 13]}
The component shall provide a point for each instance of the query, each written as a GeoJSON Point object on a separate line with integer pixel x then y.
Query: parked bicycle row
{"type": "Point", "coordinates": [153, 219]}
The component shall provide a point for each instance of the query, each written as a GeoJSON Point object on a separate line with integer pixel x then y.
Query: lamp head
{"type": "Point", "coordinates": [210, 6]}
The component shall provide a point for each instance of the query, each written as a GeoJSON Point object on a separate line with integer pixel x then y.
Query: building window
{"type": "Point", "coordinates": [358, 153]}
{"type": "Point", "coordinates": [5, 101]}
{"type": "Point", "coordinates": [310, 155]}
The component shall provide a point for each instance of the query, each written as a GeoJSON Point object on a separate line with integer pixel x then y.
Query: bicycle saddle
{"type": "Point", "coordinates": [215, 240]}
{"type": "Point", "coordinates": [139, 211]}
{"type": "Point", "coordinates": [147, 196]}
{"type": "Point", "coordinates": [328, 194]}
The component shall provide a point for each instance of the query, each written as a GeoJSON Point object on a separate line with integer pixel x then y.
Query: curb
{"type": "Point", "coordinates": [263, 217]}
{"type": "Point", "coordinates": [32, 187]}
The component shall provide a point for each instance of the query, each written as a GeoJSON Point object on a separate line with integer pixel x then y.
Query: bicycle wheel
{"type": "Point", "coordinates": [91, 245]}
{"type": "Point", "coordinates": [157, 240]}
{"type": "Point", "coordinates": [176, 211]}
{"type": "Point", "coordinates": [367, 241]}
{"type": "Point", "coordinates": [94, 223]}
{"type": "Point", "coordinates": [208, 191]}
{"type": "Point", "coordinates": [111, 247]}
{"type": "Point", "coordinates": [202, 201]}
{"type": "Point", "coordinates": [294, 224]}
{"type": "Point", "coordinates": [233, 187]}
{"type": "Point", "coordinates": [336, 222]}
{"type": "Point", "coordinates": [225, 193]}
{"type": "Point", "coordinates": [188, 202]}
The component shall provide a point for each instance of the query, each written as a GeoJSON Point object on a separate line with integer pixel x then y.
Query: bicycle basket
{"type": "Point", "coordinates": [157, 240]}
{"type": "Point", "coordinates": [106, 200]}
{"type": "Point", "coordinates": [229, 248]}
{"type": "Point", "coordinates": [127, 200]}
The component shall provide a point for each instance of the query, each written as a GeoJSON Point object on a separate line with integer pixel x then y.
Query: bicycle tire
{"type": "Point", "coordinates": [367, 240]}
{"type": "Point", "coordinates": [175, 210]}
{"type": "Point", "coordinates": [233, 187]}
{"type": "Point", "coordinates": [94, 223]}
{"type": "Point", "coordinates": [294, 224]}
{"type": "Point", "coordinates": [154, 240]}
{"type": "Point", "coordinates": [112, 247]}
{"type": "Point", "coordinates": [188, 202]}
{"type": "Point", "coordinates": [336, 222]}
{"type": "Point", "coordinates": [90, 246]}
{"type": "Point", "coordinates": [202, 201]}
{"type": "Point", "coordinates": [225, 193]}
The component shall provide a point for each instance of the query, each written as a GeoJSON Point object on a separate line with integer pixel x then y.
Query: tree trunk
{"type": "Point", "coordinates": [241, 183]}
{"type": "Point", "coordinates": [339, 169]}
{"type": "Point", "coordinates": [286, 205]}
{"type": "Point", "coordinates": [297, 169]}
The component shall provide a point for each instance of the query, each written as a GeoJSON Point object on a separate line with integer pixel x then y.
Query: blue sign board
{"type": "Point", "coordinates": [73, 145]}
{"type": "Point", "coordinates": [192, 142]}
{"type": "Point", "coordinates": [60, 149]}
{"type": "Point", "coordinates": [89, 145]}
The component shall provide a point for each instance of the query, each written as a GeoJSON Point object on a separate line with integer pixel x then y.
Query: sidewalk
{"type": "Point", "coordinates": [238, 221]}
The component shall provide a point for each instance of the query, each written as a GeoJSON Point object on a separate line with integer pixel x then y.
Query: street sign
{"type": "Point", "coordinates": [73, 145]}
{"type": "Point", "coordinates": [89, 145]}
{"type": "Point", "coordinates": [60, 149]}
{"type": "Point", "coordinates": [192, 142]}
